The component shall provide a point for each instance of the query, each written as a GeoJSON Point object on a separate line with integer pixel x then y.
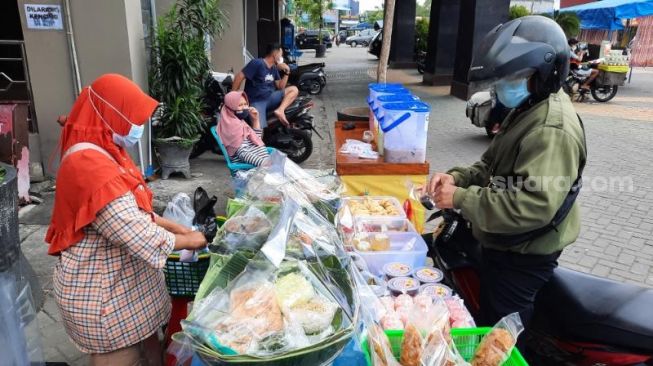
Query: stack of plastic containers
{"type": "Point", "coordinates": [400, 121]}
{"type": "Point", "coordinates": [377, 90]}
{"type": "Point", "coordinates": [405, 129]}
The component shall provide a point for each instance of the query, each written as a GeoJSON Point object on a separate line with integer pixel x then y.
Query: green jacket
{"type": "Point", "coordinates": [524, 176]}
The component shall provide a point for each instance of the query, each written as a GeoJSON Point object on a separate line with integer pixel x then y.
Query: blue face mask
{"type": "Point", "coordinates": [135, 132]}
{"type": "Point", "coordinates": [132, 138]}
{"type": "Point", "coordinates": [512, 93]}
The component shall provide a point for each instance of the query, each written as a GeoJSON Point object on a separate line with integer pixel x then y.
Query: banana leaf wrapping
{"type": "Point", "coordinates": [323, 189]}
{"type": "Point", "coordinates": [286, 299]}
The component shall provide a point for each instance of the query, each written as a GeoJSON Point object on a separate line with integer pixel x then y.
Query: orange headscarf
{"type": "Point", "coordinates": [88, 180]}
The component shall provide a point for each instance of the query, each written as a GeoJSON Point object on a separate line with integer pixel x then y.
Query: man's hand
{"type": "Point", "coordinates": [444, 195]}
{"type": "Point", "coordinates": [437, 180]}
{"type": "Point", "coordinates": [283, 67]}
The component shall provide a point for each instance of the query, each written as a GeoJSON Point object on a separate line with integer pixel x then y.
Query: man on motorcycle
{"type": "Point", "coordinates": [576, 59]}
{"type": "Point", "coordinates": [519, 198]}
{"type": "Point", "coordinates": [265, 87]}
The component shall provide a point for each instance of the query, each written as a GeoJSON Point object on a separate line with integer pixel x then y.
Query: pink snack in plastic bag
{"type": "Point", "coordinates": [392, 321]}
{"type": "Point", "coordinates": [403, 301]}
{"type": "Point", "coordinates": [404, 313]}
{"type": "Point", "coordinates": [458, 313]}
{"type": "Point", "coordinates": [388, 303]}
{"type": "Point", "coordinates": [423, 301]}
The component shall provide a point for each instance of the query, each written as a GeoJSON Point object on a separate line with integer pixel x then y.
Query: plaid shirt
{"type": "Point", "coordinates": [109, 287]}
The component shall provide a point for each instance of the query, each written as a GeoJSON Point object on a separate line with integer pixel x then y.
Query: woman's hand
{"type": "Point", "coordinates": [254, 118]}
{"type": "Point", "coordinates": [190, 241]}
{"type": "Point", "coordinates": [171, 226]}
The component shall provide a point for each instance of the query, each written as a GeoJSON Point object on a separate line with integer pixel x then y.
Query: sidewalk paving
{"type": "Point", "coordinates": [616, 240]}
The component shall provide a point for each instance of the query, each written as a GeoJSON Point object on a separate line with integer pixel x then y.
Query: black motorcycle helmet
{"type": "Point", "coordinates": [528, 46]}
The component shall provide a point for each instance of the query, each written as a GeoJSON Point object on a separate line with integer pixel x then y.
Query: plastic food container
{"type": "Point", "coordinates": [405, 127]}
{"type": "Point", "coordinates": [403, 285]}
{"type": "Point", "coordinates": [382, 225]}
{"type": "Point", "coordinates": [381, 89]}
{"type": "Point", "coordinates": [427, 275]}
{"type": "Point", "coordinates": [408, 248]}
{"type": "Point", "coordinates": [401, 214]}
{"type": "Point", "coordinates": [466, 341]}
{"type": "Point", "coordinates": [376, 112]}
{"type": "Point", "coordinates": [396, 269]}
{"type": "Point", "coordinates": [435, 290]}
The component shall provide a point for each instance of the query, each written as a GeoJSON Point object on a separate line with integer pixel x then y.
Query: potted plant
{"type": "Point", "coordinates": [315, 10]}
{"type": "Point", "coordinates": [179, 66]}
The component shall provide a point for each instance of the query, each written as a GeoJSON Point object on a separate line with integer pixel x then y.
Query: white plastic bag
{"type": "Point", "coordinates": [180, 210]}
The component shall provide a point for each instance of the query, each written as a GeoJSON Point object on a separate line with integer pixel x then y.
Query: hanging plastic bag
{"type": "Point", "coordinates": [496, 346]}
{"type": "Point", "coordinates": [180, 210]}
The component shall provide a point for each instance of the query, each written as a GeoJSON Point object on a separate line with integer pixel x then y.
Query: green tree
{"type": "Point", "coordinates": [179, 65]}
{"type": "Point", "coordinates": [373, 15]}
{"type": "Point", "coordinates": [424, 10]}
{"type": "Point", "coordinates": [518, 11]}
{"type": "Point", "coordinates": [422, 33]}
{"type": "Point", "coordinates": [569, 22]}
{"type": "Point", "coordinates": [315, 10]}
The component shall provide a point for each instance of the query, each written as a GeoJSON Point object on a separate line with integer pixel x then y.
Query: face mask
{"type": "Point", "coordinates": [135, 132]}
{"type": "Point", "coordinates": [132, 138]}
{"type": "Point", "coordinates": [242, 114]}
{"type": "Point", "coordinates": [512, 93]}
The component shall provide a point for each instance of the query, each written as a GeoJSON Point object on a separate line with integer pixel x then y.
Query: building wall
{"type": "Point", "coordinates": [568, 3]}
{"type": "Point", "coordinates": [108, 36]}
{"type": "Point", "coordinates": [227, 50]}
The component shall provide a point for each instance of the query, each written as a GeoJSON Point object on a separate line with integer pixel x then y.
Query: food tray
{"type": "Point", "coordinates": [394, 201]}
{"type": "Point", "coordinates": [375, 225]}
{"type": "Point", "coordinates": [622, 69]}
{"type": "Point", "coordinates": [465, 339]}
{"type": "Point", "coordinates": [414, 258]}
{"type": "Point", "coordinates": [611, 78]}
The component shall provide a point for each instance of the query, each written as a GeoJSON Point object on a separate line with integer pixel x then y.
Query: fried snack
{"type": "Point", "coordinates": [373, 207]}
{"type": "Point", "coordinates": [494, 348]}
{"type": "Point", "coordinates": [411, 347]}
{"type": "Point", "coordinates": [381, 346]}
{"type": "Point", "coordinates": [258, 308]}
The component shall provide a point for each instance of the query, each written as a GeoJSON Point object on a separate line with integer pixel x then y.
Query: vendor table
{"type": "Point", "coordinates": [375, 176]}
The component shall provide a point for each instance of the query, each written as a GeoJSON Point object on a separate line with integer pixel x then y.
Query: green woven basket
{"type": "Point", "coordinates": [184, 278]}
{"type": "Point", "coordinates": [465, 339]}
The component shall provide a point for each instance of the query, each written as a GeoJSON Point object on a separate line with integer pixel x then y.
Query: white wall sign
{"type": "Point", "coordinates": [40, 16]}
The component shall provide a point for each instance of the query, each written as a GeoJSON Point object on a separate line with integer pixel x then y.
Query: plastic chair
{"type": "Point", "coordinates": [233, 167]}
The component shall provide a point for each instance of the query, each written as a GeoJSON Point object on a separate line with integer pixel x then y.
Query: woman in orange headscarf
{"type": "Point", "coordinates": [108, 281]}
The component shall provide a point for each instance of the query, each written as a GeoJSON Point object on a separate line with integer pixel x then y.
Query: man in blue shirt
{"type": "Point", "coordinates": [265, 87]}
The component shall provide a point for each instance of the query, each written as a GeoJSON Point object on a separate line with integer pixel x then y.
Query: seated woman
{"type": "Point", "coordinates": [243, 143]}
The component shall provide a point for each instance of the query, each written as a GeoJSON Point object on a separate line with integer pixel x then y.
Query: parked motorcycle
{"type": "Point", "coordinates": [484, 112]}
{"type": "Point", "coordinates": [579, 319]}
{"type": "Point", "coordinates": [601, 92]}
{"type": "Point", "coordinates": [295, 141]}
{"type": "Point", "coordinates": [421, 61]}
{"type": "Point", "coordinates": [309, 78]}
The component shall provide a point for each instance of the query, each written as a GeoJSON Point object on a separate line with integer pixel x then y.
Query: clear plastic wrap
{"type": "Point", "coordinates": [246, 230]}
{"type": "Point", "coordinates": [458, 313]}
{"type": "Point", "coordinates": [496, 346]}
{"type": "Point", "coordinates": [293, 291]}
{"type": "Point", "coordinates": [180, 210]}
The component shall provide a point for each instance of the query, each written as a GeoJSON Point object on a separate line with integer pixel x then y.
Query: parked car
{"type": "Point", "coordinates": [309, 39]}
{"type": "Point", "coordinates": [363, 38]}
{"type": "Point", "coordinates": [375, 44]}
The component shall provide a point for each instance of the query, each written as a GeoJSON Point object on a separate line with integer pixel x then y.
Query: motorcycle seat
{"type": "Point", "coordinates": [592, 309]}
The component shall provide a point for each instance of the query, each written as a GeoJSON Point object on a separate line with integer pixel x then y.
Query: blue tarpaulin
{"type": "Point", "coordinates": [607, 14]}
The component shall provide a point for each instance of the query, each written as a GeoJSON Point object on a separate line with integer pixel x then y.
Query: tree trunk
{"type": "Point", "coordinates": [388, 18]}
